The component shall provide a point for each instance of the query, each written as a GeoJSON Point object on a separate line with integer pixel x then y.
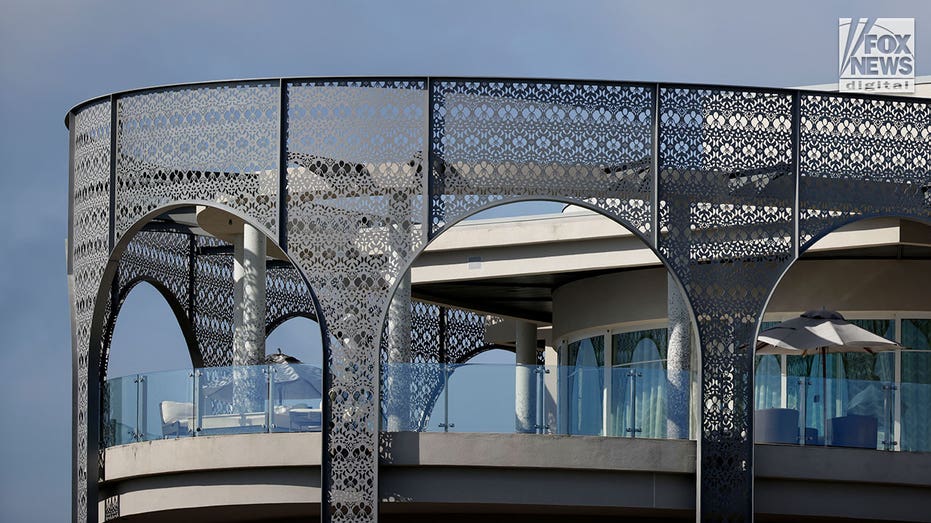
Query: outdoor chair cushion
{"type": "Point", "coordinates": [175, 411]}
{"type": "Point", "coordinates": [176, 417]}
{"type": "Point", "coordinates": [776, 426]}
{"type": "Point", "coordinates": [853, 431]}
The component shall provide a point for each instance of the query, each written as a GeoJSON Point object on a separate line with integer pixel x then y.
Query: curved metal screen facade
{"type": "Point", "coordinates": [354, 177]}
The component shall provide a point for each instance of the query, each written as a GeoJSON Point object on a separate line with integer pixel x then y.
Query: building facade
{"type": "Point", "coordinates": [248, 203]}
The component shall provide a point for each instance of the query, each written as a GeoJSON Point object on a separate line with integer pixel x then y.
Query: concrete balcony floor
{"type": "Point", "coordinates": [512, 477]}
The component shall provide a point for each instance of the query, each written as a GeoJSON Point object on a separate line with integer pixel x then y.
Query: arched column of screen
{"type": "Point", "coordinates": [89, 248]}
{"type": "Point", "coordinates": [591, 144]}
{"type": "Point", "coordinates": [214, 142]}
{"type": "Point", "coordinates": [726, 219]}
{"type": "Point", "coordinates": [210, 263]}
{"type": "Point", "coordinates": [355, 205]}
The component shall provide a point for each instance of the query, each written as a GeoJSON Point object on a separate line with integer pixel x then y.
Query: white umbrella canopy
{"type": "Point", "coordinates": [820, 332]}
{"type": "Point", "coordinates": [292, 380]}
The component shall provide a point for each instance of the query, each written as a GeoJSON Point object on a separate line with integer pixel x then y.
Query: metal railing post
{"type": "Point", "coordinates": [446, 424]}
{"type": "Point", "coordinates": [139, 431]}
{"type": "Point", "coordinates": [541, 424]}
{"type": "Point", "coordinates": [632, 376]}
{"type": "Point", "coordinates": [194, 402]}
{"type": "Point", "coordinates": [198, 403]}
{"type": "Point", "coordinates": [802, 408]}
{"type": "Point", "coordinates": [135, 431]}
{"type": "Point", "coordinates": [269, 407]}
{"type": "Point", "coordinates": [889, 437]}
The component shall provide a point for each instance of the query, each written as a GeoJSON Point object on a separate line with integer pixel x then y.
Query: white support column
{"type": "Point", "coordinates": [525, 390]}
{"type": "Point", "coordinates": [249, 297]}
{"type": "Point", "coordinates": [678, 357]}
{"type": "Point", "coordinates": [248, 317]}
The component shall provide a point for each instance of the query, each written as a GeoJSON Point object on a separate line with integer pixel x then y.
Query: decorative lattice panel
{"type": "Point", "coordinates": [286, 295]}
{"type": "Point", "coordinates": [89, 244]}
{"type": "Point", "coordinates": [168, 259]}
{"type": "Point", "coordinates": [495, 141]}
{"type": "Point", "coordinates": [465, 334]}
{"type": "Point", "coordinates": [161, 258]}
{"type": "Point", "coordinates": [213, 302]}
{"type": "Point", "coordinates": [214, 143]}
{"type": "Point", "coordinates": [354, 199]}
{"type": "Point", "coordinates": [726, 189]}
{"type": "Point", "coordinates": [853, 147]}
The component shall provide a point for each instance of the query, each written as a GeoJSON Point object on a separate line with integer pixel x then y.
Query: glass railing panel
{"type": "Point", "coordinates": [915, 401]}
{"type": "Point", "coordinates": [231, 400]}
{"type": "Point", "coordinates": [483, 398]}
{"type": "Point", "coordinates": [167, 399]}
{"type": "Point", "coordinates": [834, 412]}
{"type": "Point", "coordinates": [649, 401]}
{"type": "Point", "coordinates": [121, 411]}
{"type": "Point", "coordinates": [858, 414]}
{"type": "Point", "coordinates": [296, 398]}
{"type": "Point", "coordinates": [508, 398]}
{"type": "Point", "coordinates": [767, 382]}
{"type": "Point", "coordinates": [413, 397]}
{"type": "Point", "coordinates": [547, 398]}
{"type": "Point", "coordinates": [584, 395]}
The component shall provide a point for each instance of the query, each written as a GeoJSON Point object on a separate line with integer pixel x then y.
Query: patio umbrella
{"type": "Point", "coordinates": [293, 380]}
{"type": "Point", "coordinates": [298, 382]}
{"type": "Point", "coordinates": [820, 332]}
{"type": "Point", "coordinates": [281, 357]}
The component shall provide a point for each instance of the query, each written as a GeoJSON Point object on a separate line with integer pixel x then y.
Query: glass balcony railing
{"type": "Point", "coordinates": [883, 414]}
{"type": "Point", "coordinates": [634, 400]}
{"type": "Point", "coordinates": [214, 400]}
{"type": "Point", "coordinates": [643, 399]}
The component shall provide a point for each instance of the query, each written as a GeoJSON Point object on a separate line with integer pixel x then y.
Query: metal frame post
{"type": "Point", "coordinates": [283, 165]}
{"type": "Point", "coordinates": [427, 163]}
{"type": "Point", "coordinates": [654, 209]}
{"type": "Point", "coordinates": [796, 169]}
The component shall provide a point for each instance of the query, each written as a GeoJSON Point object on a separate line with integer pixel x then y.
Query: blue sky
{"type": "Point", "coordinates": [54, 54]}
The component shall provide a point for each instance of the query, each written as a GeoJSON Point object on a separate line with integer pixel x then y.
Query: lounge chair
{"type": "Point", "coordinates": [853, 431]}
{"type": "Point", "coordinates": [177, 418]}
{"type": "Point", "coordinates": [776, 426]}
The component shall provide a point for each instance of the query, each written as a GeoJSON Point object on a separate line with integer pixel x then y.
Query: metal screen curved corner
{"type": "Point", "coordinates": [354, 177]}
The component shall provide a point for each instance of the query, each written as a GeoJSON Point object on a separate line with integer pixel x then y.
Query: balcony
{"type": "Point", "coordinates": [233, 443]}
{"type": "Point", "coordinates": [212, 401]}
{"type": "Point", "coordinates": [619, 401]}
{"type": "Point", "coordinates": [888, 411]}
{"type": "Point", "coordinates": [629, 401]}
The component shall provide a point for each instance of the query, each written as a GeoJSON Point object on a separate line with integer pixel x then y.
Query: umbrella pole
{"type": "Point", "coordinates": [824, 393]}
